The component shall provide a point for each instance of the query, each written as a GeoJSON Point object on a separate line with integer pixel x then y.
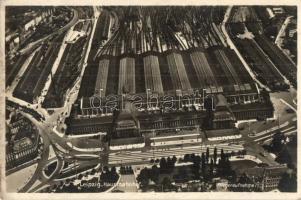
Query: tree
{"type": "Point", "coordinates": [207, 155]}
{"type": "Point", "coordinates": [80, 176]}
{"type": "Point", "coordinates": [211, 168]}
{"type": "Point", "coordinates": [277, 142]}
{"type": "Point", "coordinates": [166, 183]}
{"type": "Point", "coordinates": [105, 169]}
{"type": "Point", "coordinates": [293, 141]}
{"type": "Point", "coordinates": [186, 157]}
{"type": "Point", "coordinates": [113, 170]}
{"type": "Point", "coordinates": [227, 167]}
{"type": "Point", "coordinates": [222, 155]}
{"type": "Point", "coordinates": [62, 183]}
{"type": "Point", "coordinates": [93, 171]}
{"type": "Point", "coordinates": [215, 155]}
{"type": "Point", "coordinates": [197, 159]}
{"type": "Point", "coordinates": [130, 170]}
{"type": "Point", "coordinates": [219, 167]}
{"type": "Point", "coordinates": [284, 157]}
{"type": "Point", "coordinates": [204, 166]}
{"type": "Point", "coordinates": [123, 169]}
{"type": "Point", "coordinates": [203, 158]}
{"type": "Point", "coordinates": [169, 164]}
{"type": "Point", "coordinates": [288, 183]}
{"type": "Point", "coordinates": [192, 156]}
{"type": "Point", "coordinates": [182, 173]}
{"type": "Point", "coordinates": [155, 172]}
{"type": "Point", "coordinates": [163, 164]}
{"type": "Point", "coordinates": [143, 177]}
{"type": "Point", "coordinates": [174, 159]}
{"type": "Point", "coordinates": [196, 166]}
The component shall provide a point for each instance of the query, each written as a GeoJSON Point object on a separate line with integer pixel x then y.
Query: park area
{"type": "Point", "coordinates": [191, 173]}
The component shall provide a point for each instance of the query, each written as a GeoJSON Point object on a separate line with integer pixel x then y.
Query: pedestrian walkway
{"type": "Point", "coordinates": [127, 183]}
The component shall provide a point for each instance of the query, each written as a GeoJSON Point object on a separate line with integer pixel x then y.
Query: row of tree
{"type": "Point", "coordinates": [126, 170]}
{"type": "Point", "coordinates": [167, 165]}
{"type": "Point", "coordinates": [147, 175]}
{"type": "Point", "coordinates": [204, 167]}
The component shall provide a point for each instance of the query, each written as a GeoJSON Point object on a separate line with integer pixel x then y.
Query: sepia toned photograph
{"type": "Point", "coordinates": [150, 99]}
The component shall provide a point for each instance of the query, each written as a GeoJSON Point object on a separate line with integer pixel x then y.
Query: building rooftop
{"type": "Point", "coordinates": [126, 141]}
{"type": "Point", "coordinates": [221, 132]}
{"type": "Point", "coordinates": [277, 170]}
{"type": "Point", "coordinates": [223, 115]}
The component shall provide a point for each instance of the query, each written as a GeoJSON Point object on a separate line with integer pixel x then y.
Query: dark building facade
{"type": "Point", "coordinates": [22, 141]}
{"type": "Point", "coordinates": [221, 115]}
{"type": "Point", "coordinates": [265, 178]}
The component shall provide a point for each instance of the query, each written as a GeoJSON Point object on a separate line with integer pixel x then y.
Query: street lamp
{"type": "Point", "coordinates": [147, 90]}
{"type": "Point", "coordinates": [100, 90]}
{"type": "Point", "coordinates": [204, 98]}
